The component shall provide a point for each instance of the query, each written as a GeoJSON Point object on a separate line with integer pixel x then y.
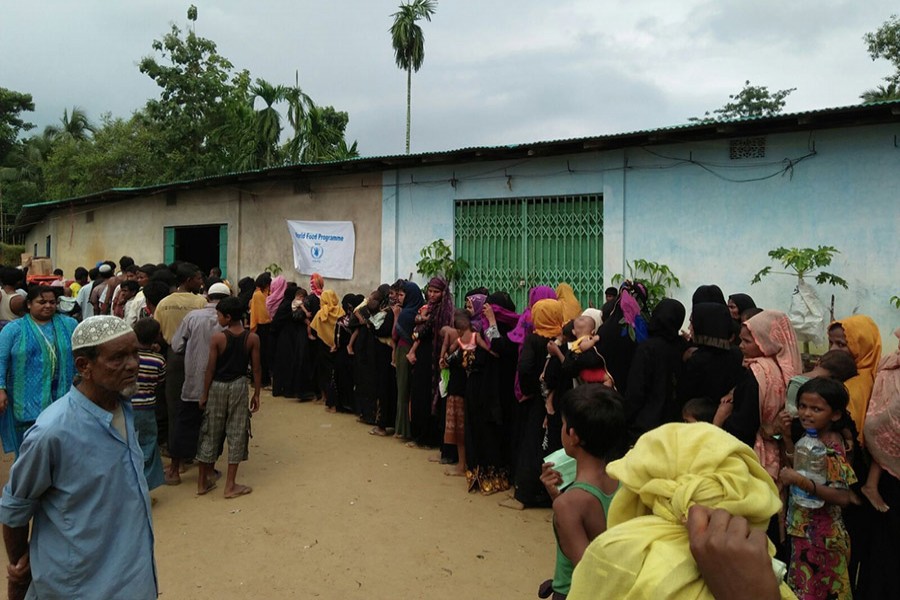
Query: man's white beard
{"type": "Point", "coordinates": [129, 390]}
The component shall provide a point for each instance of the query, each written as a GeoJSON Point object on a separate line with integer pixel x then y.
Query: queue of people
{"type": "Point", "coordinates": [493, 390]}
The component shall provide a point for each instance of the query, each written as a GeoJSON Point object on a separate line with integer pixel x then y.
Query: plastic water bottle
{"type": "Point", "coordinates": [809, 461]}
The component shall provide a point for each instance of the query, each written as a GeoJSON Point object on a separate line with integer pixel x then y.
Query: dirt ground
{"type": "Point", "coordinates": [336, 513]}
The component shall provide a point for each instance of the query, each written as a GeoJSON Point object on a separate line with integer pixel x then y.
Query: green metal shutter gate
{"type": "Point", "coordinates": [515, 244]}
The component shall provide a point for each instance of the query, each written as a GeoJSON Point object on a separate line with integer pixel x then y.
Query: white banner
{"type": "Point", "coordinates": [323, 247]}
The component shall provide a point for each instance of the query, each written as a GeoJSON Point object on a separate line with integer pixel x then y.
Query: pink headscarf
{"type": "Point", "coordinates": [773, 333]}
{"type": "Point", "coordinates": [316, 284]}
{"type": "Point", "coordinates": [276, 295]}
{"type": "Point", "coordinates": [882, 424]}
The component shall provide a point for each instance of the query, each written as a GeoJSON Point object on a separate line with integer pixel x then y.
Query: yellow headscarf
{"type": "Point", "coordinates": [864, 343]}
{"type": "Point", "coordinates": [645, 553]}
{"type": "Point", "coordinates": [571, 305]}
{"type": "Point", "coordinates": [330, 311]}
{"type": "Point", "coordinates": [547, 318]}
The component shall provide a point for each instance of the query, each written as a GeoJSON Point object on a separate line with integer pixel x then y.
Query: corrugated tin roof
{"type": "Point", "coordinates": [842, 116]}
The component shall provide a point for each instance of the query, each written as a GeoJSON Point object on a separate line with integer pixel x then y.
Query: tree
{"type": "Point", "coordinates": [752, 101]}
{"type": "Point", "coordinates": [77, 127]}
{"type": "Point", "coordinates": [324, 135]}
{"type": "Point", "coordinates": [268, 121]}
{"type": "Point", "coordinates": [885, 43]}
{"type": "Point", "coordinates": [195, 84]}
{"type": "Point", "coordinates": [409, 44]}
{"type": "Point", "coordinates": [12, 105]}
{"type": "Point", "coordinates": [881, 93]}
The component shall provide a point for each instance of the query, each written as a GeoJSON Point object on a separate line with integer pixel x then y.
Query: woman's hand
{"type": "Point", "coordinates": [788, 476]}
{"type": "Point", "coordinates": [488, 312]}
{"type": "Point", "coordinates": [726, 407]}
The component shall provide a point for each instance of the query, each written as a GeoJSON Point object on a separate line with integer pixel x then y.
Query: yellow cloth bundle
{"type": "Point", "coordinates": [645, 553]}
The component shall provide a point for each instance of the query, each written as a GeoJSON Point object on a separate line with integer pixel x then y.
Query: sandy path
{"type": "Point", "coordinates": [336, 513]}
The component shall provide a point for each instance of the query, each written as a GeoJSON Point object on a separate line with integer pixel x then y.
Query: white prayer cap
{"type": "Point", "coordinates": [94, 331]}
{"type": "Point", "coordinates": [218, 289]}
{"type": "Point", "coordinates": [105, 268]}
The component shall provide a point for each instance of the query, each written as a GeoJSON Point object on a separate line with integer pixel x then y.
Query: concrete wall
{"type": "Point", "coordinates": [255, 215]}
{"type": "Point", "coordinates": [710, 218]}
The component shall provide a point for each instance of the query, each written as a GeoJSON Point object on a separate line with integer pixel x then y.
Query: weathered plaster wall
{"type": "Point", "coordinates": [711, 219]}
{"type": "Point", "coordinates": [255, 215]}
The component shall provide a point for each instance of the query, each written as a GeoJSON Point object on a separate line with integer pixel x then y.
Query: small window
{"type": "Point", "coordinates": [89, 216]}
{"type": "Point", "coordinates": [752, 147]}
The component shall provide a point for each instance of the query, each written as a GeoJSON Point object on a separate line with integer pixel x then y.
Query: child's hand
{"type": "Point", "coordinates": [254, 402]}
{"type": "Point", "coordinates": [411, 357]}
{"type": "Point", "coordinates": [551, 478]}
{"type": "Point", "coordinates": [783, 424]}
{"type": "Point", "coordinates": [788, 476]}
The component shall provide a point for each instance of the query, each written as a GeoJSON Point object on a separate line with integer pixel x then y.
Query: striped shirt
{"type": "Point", "coordinates": [151, 372]}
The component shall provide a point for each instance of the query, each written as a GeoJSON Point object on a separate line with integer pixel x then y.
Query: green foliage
{"type": "Point", "coordinates": [437, 259]}
{"type": "Point", "coordinates": [885, 43]}
{"type": "Point", "coordinates": [12, 105]}
{"type": "Point", "coordinates": [804, 262]}
{"type": "Point", "coordinates": [203, 123]}
{"type": "Point", "coordinates": [274, 269]}
{"type": "Point", "coordinates": [11, 254]}
{"type": "Point", "coordinates": [658, 278]}
{"type": "Point", "coordinates": [752, 101]}
{"type": "Point", "coordinates": [895, 300]}
{"type": "Point", "coordinates": [881, 93]}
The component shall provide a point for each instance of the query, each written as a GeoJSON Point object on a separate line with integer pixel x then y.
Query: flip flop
{"type": "Point", "coordinates": [173, 480]}
{"type": "Point", "coordinates": [242, 492]}
{"type": "Point", "coordinates": [208, 489]}
{"type": "Point", "coordinates": [378, 432]}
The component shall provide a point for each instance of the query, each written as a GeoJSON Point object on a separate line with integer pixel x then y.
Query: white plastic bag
{"type": "Point", "coordinates": [807, 315]}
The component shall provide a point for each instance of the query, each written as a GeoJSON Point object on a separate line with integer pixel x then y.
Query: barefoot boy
{"type": "Point", "coordinates": [593, 426]}
{"type": "Point", "coordinates": [224, 398]}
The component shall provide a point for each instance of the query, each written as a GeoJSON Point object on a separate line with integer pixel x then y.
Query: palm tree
{"type": "Point", "coordinates": [76, 127]}
{"type": "Point", "coordinates": [299, 106]}
{"type": "Point", "coordinates": [268, 119]}
{"type": "Point", "coordinates": [409, 44]}
{"type": "Point", "coordinates": [881, 93]}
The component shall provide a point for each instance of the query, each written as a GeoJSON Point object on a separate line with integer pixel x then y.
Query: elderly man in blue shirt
{"type": "Point", "coordinates": [80, 481]}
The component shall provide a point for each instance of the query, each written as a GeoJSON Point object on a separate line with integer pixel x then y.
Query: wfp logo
{"type": "Point", "coordinates": [316, 252]}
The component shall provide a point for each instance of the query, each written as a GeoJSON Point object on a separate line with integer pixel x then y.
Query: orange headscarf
{"type": "Point", "coordinates": [547, 316]}
{"type": "Point", "coordinates": [864, 343]}
{"type": "Point", "coordinates": [773, 333]}
{"type": "Point", "coordinates": [571, 306]}
{"type": "Point", "coordinates": [330, 311]}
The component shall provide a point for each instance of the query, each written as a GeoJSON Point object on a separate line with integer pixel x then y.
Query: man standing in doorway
{"type": "Point", "coordinates": [80, 481]}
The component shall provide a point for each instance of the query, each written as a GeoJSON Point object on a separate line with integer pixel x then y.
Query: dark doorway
{"type": "Point", "coordinates": [203, 245]}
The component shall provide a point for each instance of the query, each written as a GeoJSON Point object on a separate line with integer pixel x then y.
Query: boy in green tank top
{"type": "Point", "coordinates": [593, 426]}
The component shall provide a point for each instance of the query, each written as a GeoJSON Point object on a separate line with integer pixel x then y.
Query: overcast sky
{"type": "Point", "coordinates": [495, 73]}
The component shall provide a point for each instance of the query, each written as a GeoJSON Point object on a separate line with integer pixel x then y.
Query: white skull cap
{"type": "Point", "coordinates": [94, 331]}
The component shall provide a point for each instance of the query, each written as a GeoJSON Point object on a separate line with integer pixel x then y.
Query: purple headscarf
{"type": "Point", "coordinates": [525, 326]}
{"type": "Point", "coordinates": [479, 321]}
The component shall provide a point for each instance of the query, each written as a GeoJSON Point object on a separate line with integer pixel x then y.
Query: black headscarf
{"type": "Point", "coordinates": [501, 299]}
{"type": "Point", "coordinates": [712, 325]}
{"type": "Point", "coordinates": [667, 319]}
{"type": "Point", "coordinates": [742, 301]}
{"type": "Point", "coordinates": [247, 286]}
{"type": "Point", "coordinates": [412, 302]}
{"type": "Point", "coordinates": [708, 293]}
{"type": "Point", "coordinates": [284, 310]}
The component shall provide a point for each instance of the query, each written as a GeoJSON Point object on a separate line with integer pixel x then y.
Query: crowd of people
{"type": "Point", "coordinates": [494, 388]}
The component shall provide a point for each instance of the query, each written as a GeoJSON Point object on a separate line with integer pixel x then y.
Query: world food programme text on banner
{"type": "Point", "coordinates": [323, 247]}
